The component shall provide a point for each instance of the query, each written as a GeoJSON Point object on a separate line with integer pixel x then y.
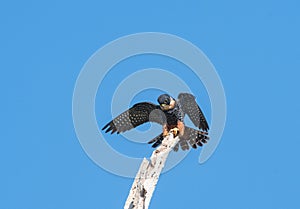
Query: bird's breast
{"type": "Point", "coordinates": [172, 117]}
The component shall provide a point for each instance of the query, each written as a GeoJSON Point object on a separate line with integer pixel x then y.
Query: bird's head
{"type": "Point", "coordinates": [166, 102]}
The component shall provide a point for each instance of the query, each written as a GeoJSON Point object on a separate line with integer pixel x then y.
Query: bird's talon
{"type": "Point", "coordinates": [175, 131]}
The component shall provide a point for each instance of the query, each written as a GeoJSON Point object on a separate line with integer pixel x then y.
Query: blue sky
{"type": "Point", "coordinates": [254, 46]}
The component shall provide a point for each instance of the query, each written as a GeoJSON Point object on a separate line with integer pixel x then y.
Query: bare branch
{"type": "Point", "coordinates": [146, 179]}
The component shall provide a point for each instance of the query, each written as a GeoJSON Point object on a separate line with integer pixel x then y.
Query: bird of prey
{"type": "Point", "coordinates": [170, 114]}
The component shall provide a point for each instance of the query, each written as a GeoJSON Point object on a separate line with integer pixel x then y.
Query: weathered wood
{"type": "Point", "coordinates": [146, 179]}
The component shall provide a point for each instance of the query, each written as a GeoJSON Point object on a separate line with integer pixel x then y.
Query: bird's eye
{"type": "Point", "coordinates": [166, 101]}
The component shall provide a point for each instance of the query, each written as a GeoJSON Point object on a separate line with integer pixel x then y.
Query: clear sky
{"type": "Point", "coordinates": [254, 46]}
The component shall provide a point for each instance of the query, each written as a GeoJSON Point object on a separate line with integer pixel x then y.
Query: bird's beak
{"type": "Point", "coordinates": [163, 105]}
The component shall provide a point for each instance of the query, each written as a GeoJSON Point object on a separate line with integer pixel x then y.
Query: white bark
{"type": "Point", "coordinates": [146, 179]}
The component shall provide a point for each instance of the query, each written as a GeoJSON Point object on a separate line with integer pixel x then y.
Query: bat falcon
{"type": "Point", "coordinates": [170, 114]}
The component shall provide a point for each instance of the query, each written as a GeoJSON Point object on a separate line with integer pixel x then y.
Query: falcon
{"type": "Point", "coordinates": [170, 114]}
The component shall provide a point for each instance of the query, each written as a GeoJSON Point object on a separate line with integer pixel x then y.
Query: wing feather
{"type": "Point", "coordinates": [191, 108]}
{"type": "Point", "coordinates": [138, 114]}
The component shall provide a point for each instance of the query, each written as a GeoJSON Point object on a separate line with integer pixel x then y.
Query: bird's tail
{"type": "Point", "coordinates": [193, 138]}
{"type": "Point", "coordinates": [190, 137]}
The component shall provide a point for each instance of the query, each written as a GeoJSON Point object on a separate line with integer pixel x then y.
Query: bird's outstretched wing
{"type": "Point", "coordinates": [191, 108]}
{"type": "Point", "coordinates": [138, 114]}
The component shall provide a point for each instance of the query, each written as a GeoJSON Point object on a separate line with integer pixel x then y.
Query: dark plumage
{"type": "Point", "coordinates": [170, 114]}
{"type": "Point", "coordinates": [191, 108]}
